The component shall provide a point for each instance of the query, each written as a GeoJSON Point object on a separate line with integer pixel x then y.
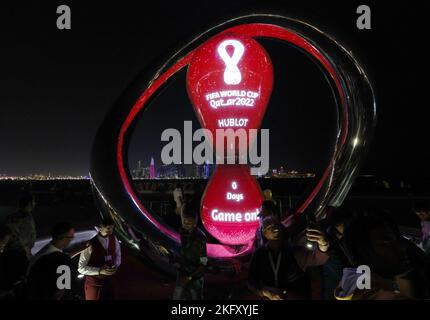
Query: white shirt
{"type": "Point", "coordinates": [177, 195]}
{"type": "Point", "coordinates": [85, 256]}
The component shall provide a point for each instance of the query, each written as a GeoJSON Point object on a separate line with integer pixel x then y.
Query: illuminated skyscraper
{"type": "Point", "coordinates": [152, 169]}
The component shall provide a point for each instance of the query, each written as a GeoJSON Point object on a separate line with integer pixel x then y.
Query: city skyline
{"type": "Point", "coordinates": [203, 171]}
{"type": "Point", "coordinates": [57, 94]}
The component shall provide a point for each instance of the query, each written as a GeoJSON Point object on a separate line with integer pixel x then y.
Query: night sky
{"type": "Point", "coordinates": [56, 86]}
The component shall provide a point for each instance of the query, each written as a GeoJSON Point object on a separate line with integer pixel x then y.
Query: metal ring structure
{"type": "Point", "coordinates": [157, 243]}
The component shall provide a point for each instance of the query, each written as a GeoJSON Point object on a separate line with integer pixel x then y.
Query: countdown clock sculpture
{"type": "Point", "coordinates": [229, 82]}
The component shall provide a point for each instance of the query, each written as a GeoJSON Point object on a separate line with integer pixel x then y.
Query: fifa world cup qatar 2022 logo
{"type": "Point", "coordinates": [229, 80]}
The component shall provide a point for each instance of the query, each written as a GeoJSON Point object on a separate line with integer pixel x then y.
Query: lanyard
{"type": "Point", "coordinates": [275, 269]}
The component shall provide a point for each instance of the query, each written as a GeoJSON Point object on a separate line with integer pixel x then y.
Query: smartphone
{"type": "Point", "coordinates": [310, 224]}
{"type": "Point", "coordinates": [311, 221]}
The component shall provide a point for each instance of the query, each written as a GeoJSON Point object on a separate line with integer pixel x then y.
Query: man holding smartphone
{"type": "Point", "coordinates": [99, 263]}
{"type": "Point", "coordinates": [278, 268]}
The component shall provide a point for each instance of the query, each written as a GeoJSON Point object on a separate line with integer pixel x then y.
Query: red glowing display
{"type": "Point", "coordinates": [229, 82]}
{"type": "Point", "coordinates": [247, 31]}
{"type": "Point", "coordinates": [231, 204]}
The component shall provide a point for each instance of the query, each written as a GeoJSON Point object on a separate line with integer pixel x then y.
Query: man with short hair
{"type": "Point", "coordinates": [193, 259]}
{"type": "Point", "coordinates": [100, 261]}
{"type": "Point", "coordinates": [277, 269]}
{"type": "Point", "coordinates": [62, 234]}
{"type": "Point", "coordinates": [43, 271]}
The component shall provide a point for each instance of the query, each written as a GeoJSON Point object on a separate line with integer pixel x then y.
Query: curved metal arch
{"type": "Point", "coordinates": [109, 172]}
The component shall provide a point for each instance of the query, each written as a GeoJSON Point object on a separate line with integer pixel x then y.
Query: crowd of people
{"type": "Point", "coordinates": [358, 254]}
{"type": "Point", "coordinates": [46, 275]}
{"type": "Point", "coordinates": [349, 244]}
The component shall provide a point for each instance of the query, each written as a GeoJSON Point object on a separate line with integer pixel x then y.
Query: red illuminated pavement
{"type": "Point", "coordinates": [136, 281]}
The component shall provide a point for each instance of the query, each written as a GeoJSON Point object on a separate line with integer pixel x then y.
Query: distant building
{"type": "Point", "coordinates": [207, 170]}
{"type": "Point", "coordinates": [152, 171]}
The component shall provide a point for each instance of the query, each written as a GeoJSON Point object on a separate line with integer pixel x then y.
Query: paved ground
{"type": "Point", "coordinates": [135, 281]}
